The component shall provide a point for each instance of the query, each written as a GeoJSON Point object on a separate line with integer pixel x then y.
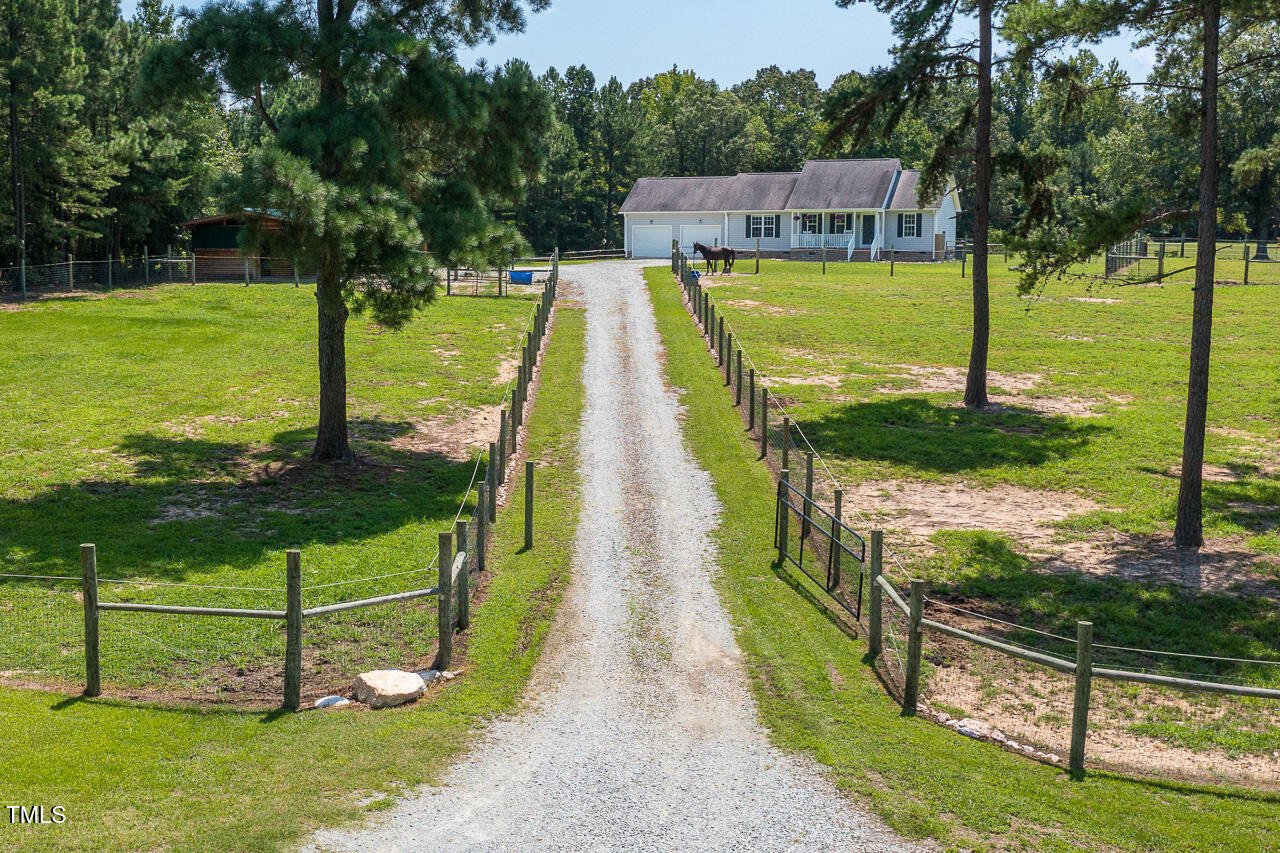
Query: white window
{"type": "Point", "coordinates": [910, 224]}
{"type": "Point", "coordinates": [809, 223]}
{"type": "Point", "coordinates": [762, 226]}
{"type": "Point", "coordinates": [841, 222]}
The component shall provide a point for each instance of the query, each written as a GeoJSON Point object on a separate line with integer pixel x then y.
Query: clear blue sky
{"type": "Point", "coordinates": [723, 40]}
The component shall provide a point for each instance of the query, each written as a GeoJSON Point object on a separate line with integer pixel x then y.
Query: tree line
{"type": "Point", "coordinates": [99, 170]}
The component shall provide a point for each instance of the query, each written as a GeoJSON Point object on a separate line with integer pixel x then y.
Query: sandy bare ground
{"type": "Point", "coordinates": [639, 732]}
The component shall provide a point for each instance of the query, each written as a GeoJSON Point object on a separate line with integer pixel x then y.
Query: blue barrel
{"type": "Point", "coordinates": [521, 277]}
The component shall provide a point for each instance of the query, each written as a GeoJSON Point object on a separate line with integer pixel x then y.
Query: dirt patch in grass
{"type": "Point", "coordinates": [452, 435]}
{"type": "Point", "coordinates": [194, 427]}
{"type": "Point", "coordinates": [1030, 709]}
{"type": "Point", "coordinates": [916, 510]}
{"type": "Point", "coordinates": [752, 306]}
{"type": "Point", "coordinates": [951, 380]}
{"type": "Point", "coordinates": [1225, 565]}
{"type": "Point", "coordinates": [830, 380]}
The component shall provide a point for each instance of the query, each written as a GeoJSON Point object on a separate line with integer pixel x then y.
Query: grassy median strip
{"type": "Point", "coordinates": [817, 694]}
{"type": "Point", "coordinates": [133, 777]}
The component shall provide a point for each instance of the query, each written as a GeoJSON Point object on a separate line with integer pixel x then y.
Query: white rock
{"type": "Point", "coordinates": [383, 688]}
{"type": "Point", "coordinates": [430, 676]}
{"type": "Point", "coordinates": [1013, 744]}
{"type": "Point", "coordinates": [332, 702]}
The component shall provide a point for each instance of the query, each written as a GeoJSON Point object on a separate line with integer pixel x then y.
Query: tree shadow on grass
{"type": "Point", "coordinates": [981, 571]}
{"type": "Point", "coordinates": [192, 506]}
{"type": "Point", "coordinates": [916, 432]}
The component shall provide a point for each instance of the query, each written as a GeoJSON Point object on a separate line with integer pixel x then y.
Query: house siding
{"type": "Point", "coordinates": [738, 238]}
{"type": "Point", "coordinates": [947, 219]}
{"type": "Point", "coordinates": [922, 242]}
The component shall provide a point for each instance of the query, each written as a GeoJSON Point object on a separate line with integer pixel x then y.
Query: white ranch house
{"type": "Point", "coordinates": [857, 209]}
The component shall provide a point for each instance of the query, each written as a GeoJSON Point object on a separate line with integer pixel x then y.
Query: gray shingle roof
{"type": "Point", "coordinates": [843, 184]}
{"type": "Point", "coordinates": [744, 191]}
{"type": "Point", "coordinates": [820, 185]}
{"type": "Point", "coordinates": [905, 196]}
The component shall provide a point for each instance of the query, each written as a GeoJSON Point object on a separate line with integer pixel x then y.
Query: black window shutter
{"type": "Point", "coordinates": [747, 231]}
{"type": "Point", "coordinates": [919, 224]}
{"type": "Point", "coordinates": [901, 222]}
{"type": "Point", "coordinates": [777, 224]}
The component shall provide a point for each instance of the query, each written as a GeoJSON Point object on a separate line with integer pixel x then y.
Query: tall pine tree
{"type": "Point", "coordinates": [401, 150]}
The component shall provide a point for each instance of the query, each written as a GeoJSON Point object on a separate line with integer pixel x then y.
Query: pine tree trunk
{"type": "Point", "coordinates": [15, 161]}
{"type": "Point", "coordinates": [975, 389]}
{"type": "Point", "coordinates": [1188, 531]}
{"type": "Point", "coordinates": [331, 435]}
{"type": "Point", "coordinates": [1262, 218]}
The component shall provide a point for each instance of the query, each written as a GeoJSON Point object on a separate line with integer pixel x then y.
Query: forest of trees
{"type": "Point", "coordinates": [98, 169]}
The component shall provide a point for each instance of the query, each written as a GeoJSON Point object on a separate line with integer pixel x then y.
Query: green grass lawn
{"type": "Point", "coordinates": [819, 696]}
{"type": "Point", "coordinates": [1093, 384]}
{"type": "Point", "coordinates": [171, 427]}
{"type": "Point", "coordinates": [138, 777]}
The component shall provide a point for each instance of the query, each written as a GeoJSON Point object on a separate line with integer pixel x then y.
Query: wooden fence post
{"type": "Point", "coordinates": [1084, 684]}
{"type": "Point", "coordinates": [891, 262]}
{"type": "Point", "coordinates": [293, 630]}
{"type": "Point", "coordinates": [737, 397]}
{"type": "Point", "coordinates": [784, 512]}
{"type": "Point", "coordinates": [146, 267]}
{"type": "Point", "coordinates": [786, 441]}
{"type": "Point", "coordinates": [875, 627]}
{"type": "Point", "coordinates": [444, 600]}
{"type": "Point", "coordinates": [808, 493]}
{"type": "Point", "coordinates": [757, 256]}
{"type": "Point", "coordinates": [963, 259]}
{"type": "Point", "coordinates": [464, 577]}
{"type": "Point", "coordinates": [528, 503]}
{"type": "Point", "coordinates": [1246, 263]}
{"type": "Point", "coordinates": [833, 578]}
{"type": "Point", "coordinates": [764, 423]}
{"type": "Point", "coordinates": [493, 481]}
{"type": "Point", "coordinates": [246, 272]}
{"type": "Point", "coordinates": [482, 523]}
{"type": "Point", "coordinates": [502, 447]}
{"type": "Point", "coordinates": [515, 408]}
{"type": "Point", "coordinates": [89, 592]}
{"type": "Point", "coordinates": [911, 680]}
{"type": "Point", "coordinates": [728, 359]}
{"type": "Point", "coordinates": [751, 399]}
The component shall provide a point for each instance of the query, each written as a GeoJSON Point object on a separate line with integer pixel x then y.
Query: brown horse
{"type": "Point", "coordinates": [721, 253]}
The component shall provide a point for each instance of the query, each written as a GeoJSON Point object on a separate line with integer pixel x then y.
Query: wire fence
{"type": "Point", "coordinates": [145, 271]}
{"type": "Point", "coordinates": [1033, 691]}
{"type": "Point", "coordinates": [245, 643]}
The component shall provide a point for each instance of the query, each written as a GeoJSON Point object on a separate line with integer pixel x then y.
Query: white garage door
{"type": "Point", "coordinates": [651, 241]}
{"type": "Point", "coordinates": [707, 235]}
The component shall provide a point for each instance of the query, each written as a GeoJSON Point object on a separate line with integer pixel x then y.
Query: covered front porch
{"type": "Point", "coordinates": [849, 230]}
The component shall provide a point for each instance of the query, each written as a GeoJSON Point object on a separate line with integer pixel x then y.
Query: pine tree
{"type": "Point", "coordinates": [1188, 33]}
{"type": "Point", "coordinates": [401, 150]}
{"type": "Point", "coordinates": [58, 176]}
{"type": "Point", "coordinates": [931, 62]}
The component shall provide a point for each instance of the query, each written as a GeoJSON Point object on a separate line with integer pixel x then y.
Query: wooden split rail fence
{"type": "Point", "coordinates": [836, 541]}
{"type": "Point", "coordinates": [453, 585]}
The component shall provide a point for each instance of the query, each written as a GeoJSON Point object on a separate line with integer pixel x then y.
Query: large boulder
{"type": "Point", "coordinates": [383, 688]}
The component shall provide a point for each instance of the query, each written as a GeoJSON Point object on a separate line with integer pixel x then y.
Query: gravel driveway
{"type": "Point", "coordinates": [639, 732]}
